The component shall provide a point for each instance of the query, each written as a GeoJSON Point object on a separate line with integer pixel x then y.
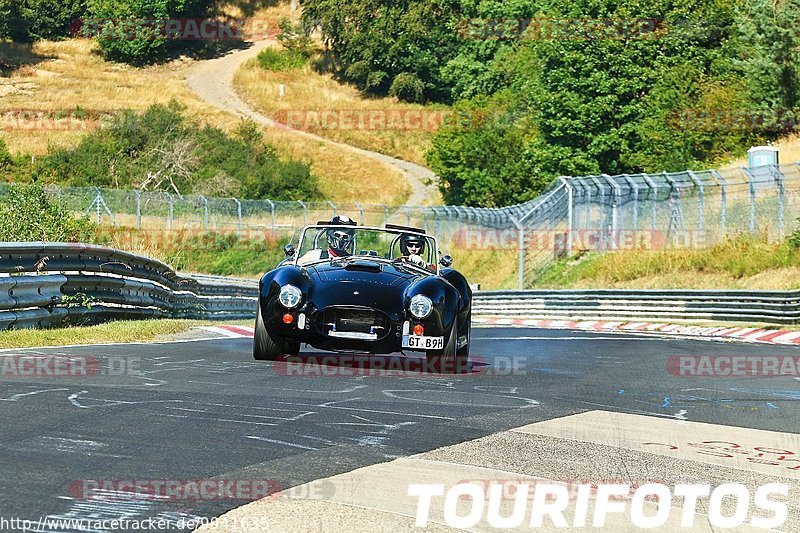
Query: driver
{"type": "Point", "coordinates": [412, 247]}
{"type": "Point", "coordinates": [340, 241]}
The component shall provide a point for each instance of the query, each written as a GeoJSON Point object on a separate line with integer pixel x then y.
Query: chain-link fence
{"type": "Point", "coordinates": [600, 213]}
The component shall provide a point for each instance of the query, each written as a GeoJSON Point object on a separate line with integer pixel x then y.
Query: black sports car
{"type": "Point", "coordinates": [365, 289]}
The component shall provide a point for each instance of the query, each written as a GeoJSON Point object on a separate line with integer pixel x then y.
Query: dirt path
{"type": "Point", "coordinates": [212, 80]}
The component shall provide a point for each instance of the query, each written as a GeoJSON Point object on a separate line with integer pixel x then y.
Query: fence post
{"type": "Point", "coordinates": [386, 214]}
{"type": "Point", "coordinates": [361, 212]}
{"type": "Point", "coordinates": [521, 258]}
{"type": "Point", "coordinates": [700, 206]}
{"type": "Point", "coordinates": [333, 206]}
{"type": "Point", "coordinates": [570, 221]}
{"type": "Point", "coordinates": [171, 210]}
{"type": "Point", "coordinates": [653, 199]}
{"type": "Point", "coordinates": [205, 211]}
{"type": "Point", "coordinates": [272, 215]}
{"type": "Point", "coordinates": [724, 200]}
{"type": "Point", "coordinates": [751, 182]}
{"type": "Point", "coordinates": [138, 209]}
{"type": "Point", "coordinates": [779, 177]}
{"type": "Point", "coordinates": [240, 222]}
{"type": "Point", "coordinates": [614, 210]}
{"type": "Point", "coordinates": [305, 213]}
{"type": "Point", "coordinates": [635, 193]}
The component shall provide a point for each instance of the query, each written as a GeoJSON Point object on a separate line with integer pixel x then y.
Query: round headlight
{"type": "Point", "coordinates": [420, 306]}
{"type": "Point", "coordinates": [290, 296]}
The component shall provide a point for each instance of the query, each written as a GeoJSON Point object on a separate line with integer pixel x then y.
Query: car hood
{"type": "Point", "coordinates": [359, 282]}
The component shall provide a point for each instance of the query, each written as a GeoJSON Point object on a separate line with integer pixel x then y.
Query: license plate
{"type": "Point", "coordinates": [423, 343]}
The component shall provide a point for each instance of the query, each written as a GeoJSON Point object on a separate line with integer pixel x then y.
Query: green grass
{"type": "Point", "coordinates": [119, 331]}
{"type": "Point", "coordinates": [744, 262]}
{"type": "Point", "coordinates": [281, 60]}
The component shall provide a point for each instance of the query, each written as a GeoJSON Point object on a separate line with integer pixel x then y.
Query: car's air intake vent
{"type": "Point", "coordinates": [353, 320]}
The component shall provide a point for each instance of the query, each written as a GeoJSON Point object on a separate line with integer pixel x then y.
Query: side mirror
{"type": "Point", "coordinates": [446, 261]}
{"type": "Point", "coordinates": [289, 250]}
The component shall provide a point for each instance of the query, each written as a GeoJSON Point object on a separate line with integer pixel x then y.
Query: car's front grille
{"type": "Point", "coordinates": [353, 320]}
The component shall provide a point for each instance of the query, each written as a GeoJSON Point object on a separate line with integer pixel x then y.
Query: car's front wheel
{"type": "Point", "coordinates": [448, 360]}
{"type": "Point", "coordinates": [265, 348]}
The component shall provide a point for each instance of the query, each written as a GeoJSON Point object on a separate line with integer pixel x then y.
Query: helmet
{"type": "Point", "coordinates": [416, 241]}
{"type": "Point", "coordinates": [341, 240]}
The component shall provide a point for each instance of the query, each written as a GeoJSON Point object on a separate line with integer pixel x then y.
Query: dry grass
{"type": "Point", "coordinates": [492, 269]}
{"type": "Point", "coordinates": [741, 263]}
{"type": "Point", "coordinates": [789, 147]}
{"type": "Point", "coordinates": [309, 91]}
{"type": "Point", "coordinates": [58, 76]}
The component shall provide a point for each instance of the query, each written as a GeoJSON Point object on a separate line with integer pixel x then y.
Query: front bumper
{"type": "Point", "coordinates": [348, 328]}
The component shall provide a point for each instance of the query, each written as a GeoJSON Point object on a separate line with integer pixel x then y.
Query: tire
{"type": "Point", "coordinates": [466, 329]}
{"type": "Point", "coordinates": [447, 361]}
{"type": "Point", "coordinates": [265, 348]}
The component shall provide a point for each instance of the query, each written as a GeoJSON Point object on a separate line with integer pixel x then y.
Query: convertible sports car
{"type": "Point", "coordinates": [365, 289]}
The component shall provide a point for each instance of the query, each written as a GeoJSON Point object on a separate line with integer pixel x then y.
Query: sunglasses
{"type": "Point", "coordinates": [342, 235]}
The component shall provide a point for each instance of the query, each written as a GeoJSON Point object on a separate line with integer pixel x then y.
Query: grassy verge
{"type": "Point", "coordinates": [741, 263]}
{"type": "Point", "coordinates": [384, 125]}
{"type": "Point", "coordinates": [61, 76]}
{"type": "Point", "coordinates": [121, 331]}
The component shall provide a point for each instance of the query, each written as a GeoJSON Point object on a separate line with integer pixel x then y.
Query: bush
{"type": "Point", "coordinates": [29, 20]}
{"type": "Point", "coordinates": [123, 32]}
{"type": "Point", "coordinates": [295, 37]}
{"type": "Point", "coordinates": [6, 161]}
{"type": "Point", "coordinates": [27, 214]}
{"type": "Point", "coordinates": [161, 149]}
{"type": "Point", "coordinates": [794, 238]}
{"type": "Point", "coordinates": [407, 86]}
{"type": "Point", "coordinates": [281, 60]}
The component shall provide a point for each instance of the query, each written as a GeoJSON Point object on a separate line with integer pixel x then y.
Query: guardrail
{"type": "Point", "coordinates": [49, 284]}
{"type": "Point", "coordinates": [770, 307]}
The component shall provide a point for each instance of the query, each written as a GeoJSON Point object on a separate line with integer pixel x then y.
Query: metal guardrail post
{"type": "Point", "coordinates": [751, 182]}
{"type": "Point", "coordinates": [332, 207]}
{"type": "Point", "coordinates": [386, 213]}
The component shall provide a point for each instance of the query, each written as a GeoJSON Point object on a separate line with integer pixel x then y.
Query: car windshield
{"type": "Point", "coordinates": [323, 243]}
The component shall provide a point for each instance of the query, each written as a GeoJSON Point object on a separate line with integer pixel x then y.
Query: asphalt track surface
{"type": "Point", "coordinates": [205, 409]}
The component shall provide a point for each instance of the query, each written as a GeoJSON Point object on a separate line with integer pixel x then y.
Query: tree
{"type": "Point", "coordinates": [375, 42]}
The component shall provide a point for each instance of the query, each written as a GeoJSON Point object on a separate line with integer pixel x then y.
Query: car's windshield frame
{"type": "Point", "coordinates": [312, 231]}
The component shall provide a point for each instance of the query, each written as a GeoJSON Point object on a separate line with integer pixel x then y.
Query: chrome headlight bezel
{"type": "Point", "coordinates": [420, 306]}
{"type": "Point", "coordinates": [290, 296]}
